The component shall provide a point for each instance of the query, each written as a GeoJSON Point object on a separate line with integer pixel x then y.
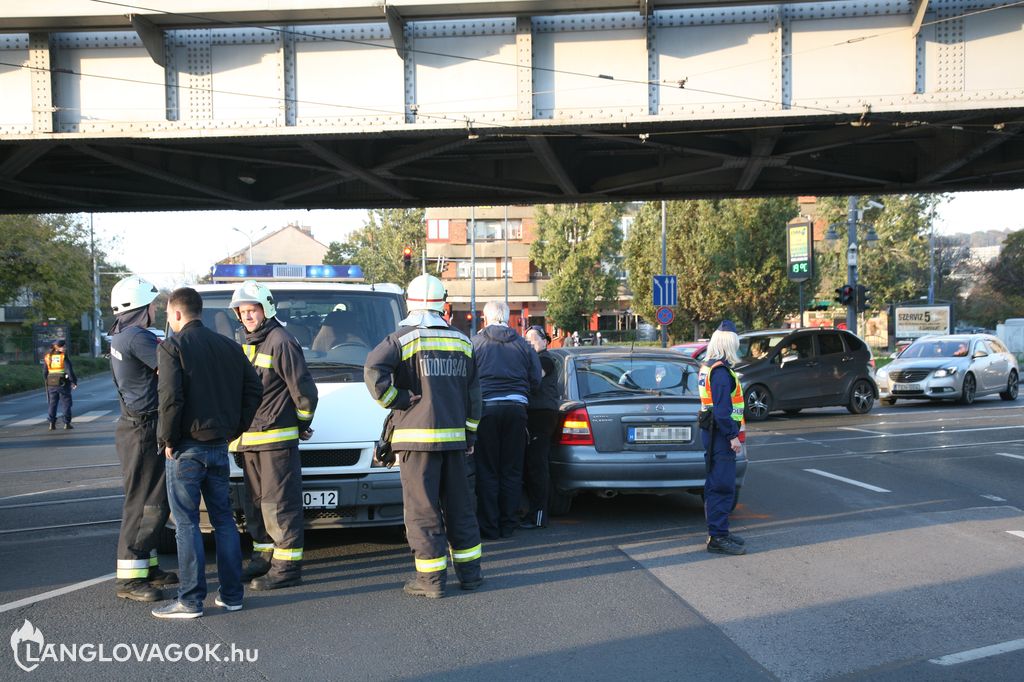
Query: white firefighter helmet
{"type": "Point", "coordinates": [254, 292]}
{"type": "Point", "coordinates": [426, 293]}
{"type": "Point", "coordinates": [131, 293]}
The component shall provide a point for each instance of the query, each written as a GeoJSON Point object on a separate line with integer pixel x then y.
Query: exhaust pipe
{"type": "Point", "coordinates": [608, 494]}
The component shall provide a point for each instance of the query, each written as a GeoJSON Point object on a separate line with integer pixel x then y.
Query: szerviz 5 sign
{"type": "Point", "coordinates": [799, 250]}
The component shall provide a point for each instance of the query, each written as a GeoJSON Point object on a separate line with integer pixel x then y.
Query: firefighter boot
{"type": "Point", "coordinates": [161, 578]}
{"type": "Point", "coordinates": [258, 565]}
{"type": "Point", "coordinates": [281, 574]}
{"type": "Point", "coordinates": [470, 575]}
{"type": "Point", "coordinates": [138, 589]}
{"type": "Point", "coordinates": [430, 585]}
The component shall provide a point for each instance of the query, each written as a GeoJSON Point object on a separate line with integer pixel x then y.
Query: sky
{"type": "Point", "coordinates": [175, 248]}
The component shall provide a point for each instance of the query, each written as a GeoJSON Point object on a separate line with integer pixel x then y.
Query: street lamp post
{"type": "Point", "coordinates": [247, 236]}
{"type": "Point", "coordinates": [851, 261]}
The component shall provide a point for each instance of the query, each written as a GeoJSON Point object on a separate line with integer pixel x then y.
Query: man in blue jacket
{"type": "Point", "coordinates": [509, 372]}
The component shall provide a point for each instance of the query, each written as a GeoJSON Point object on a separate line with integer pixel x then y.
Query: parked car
{"type": "Point", "coordinates": [628, 424]}
{"type": "Point", "coordinates": [954, 367]}
{"type": "Point", "coordinates": [693, 349]}
{"type": "Point", "coordinates": [790, 369]}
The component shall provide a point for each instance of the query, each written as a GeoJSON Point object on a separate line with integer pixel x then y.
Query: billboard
{"type": "Point", "coordinates": [799, 250]}
{"type": "Point", "coordinates": [921, 320]}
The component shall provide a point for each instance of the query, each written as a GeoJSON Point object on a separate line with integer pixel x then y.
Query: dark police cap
{"type": "Point", "coordinates": [727, 326]}
{"type": "Point", "coordinates": [540, 330]}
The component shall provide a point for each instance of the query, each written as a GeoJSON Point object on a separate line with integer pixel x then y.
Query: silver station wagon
{"type": "Point", "coordinates": [628, 424]}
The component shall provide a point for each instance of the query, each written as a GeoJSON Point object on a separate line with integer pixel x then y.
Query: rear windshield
{"type": "Point", "coordinates": [336, 329]}
{"type": "Point", "coordinates": [936, 349]}
{"type": "Point", "coordinates": [635, 375]}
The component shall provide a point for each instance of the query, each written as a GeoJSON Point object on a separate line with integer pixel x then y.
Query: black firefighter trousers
{"type": "Point", "coordinates": [439, 511]}
{"type": "Point", "coordinates": [145, 509]}
{"type": "Point", "coordinates": [275, 517]}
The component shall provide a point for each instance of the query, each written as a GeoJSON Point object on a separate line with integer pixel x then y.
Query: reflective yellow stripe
{"type": "Point", "coordinates": [128, 569]}
{"type": "Point", "coordinates": [250, 351]}
{"type": "Point", "coordinates": [153, 560]}
{"type": "Point", "coordinates": [304, 415]}
{"type": "Point", "coordinates": [288, 554]}
{"type": "Point", "coordinates": [428, 436]}
{"type": "Point", "coordinates": [471, 424]}
{"type": "Point", "coordinates": [417, 345]}
{"type": "Point", "coordinates": [388, 397]}
{"type": "Point", "coordinates": [463, 555]}
{"type": "Point", "coordinates": [235, 445]}
{"type": "Point", "coordinates": [431, 565]}
{"type": "Point", "coordinates": [262, 546]}
{"type": "Point", "coordinates": [271, 436]}
{"type": "Point", "coordinates": [264, 360]}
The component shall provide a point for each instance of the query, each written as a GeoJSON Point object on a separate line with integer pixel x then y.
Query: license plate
{"type": "Point", "coordinates": [906, 387]}
{"type": "Point", "coordinates": [659, 434]}
{"type": "Point", "coordinates": [319, 499]}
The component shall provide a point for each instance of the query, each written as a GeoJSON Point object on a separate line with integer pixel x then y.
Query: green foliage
{"type": "Point", "coordinates": [15, 378]}
{"type": "Point", "coordinates": [576, 245]}
{"type": "Point", "coordinates": [378, 245]}
{"type": "Point", "coordinates": [999, 291]}
{"type": "Point", "coordinates": [728, 255]}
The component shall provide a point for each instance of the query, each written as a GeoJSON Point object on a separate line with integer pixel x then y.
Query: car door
{"type": "Point", "coordinates": [795, 373]}
{"type": "Point", "coordinates": [981, 366]}
{"type": "Point", "coordinates": [834, 366]}
{"type": "Point", "coordinates": [1002, 362]}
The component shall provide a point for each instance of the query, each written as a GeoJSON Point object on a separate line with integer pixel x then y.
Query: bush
{"type": "Point", "coordinates": [18, 377]}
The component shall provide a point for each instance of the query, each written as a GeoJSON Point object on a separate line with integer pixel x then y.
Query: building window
{"type": "Point", "coordinates": [485, 269]}
{"type": "Point", "coordinates": [437, 230]}
{"type": "Point", "coordinates": [491, 230]}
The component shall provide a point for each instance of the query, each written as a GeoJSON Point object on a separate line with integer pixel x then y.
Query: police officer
{"type": "Point", "coordinates": [269, 450]}
{"type": "Point", "coordinates": [541, 419]}
{"type": "Point", "coordinates": [60, 378]}
{"type": "Point", "coordinates": [133, 363]}
{"type": "Point", "coordinates": [721, 397]}
{"type": "Point", "coordinates": [426, 374]}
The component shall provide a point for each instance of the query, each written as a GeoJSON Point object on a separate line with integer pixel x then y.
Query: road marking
{"type": "Point", "coordinates": [65, 525]}
{"type": "Point", "coordinates": [854, 428]}
{"type": "Point", "coordinates": [826, 474]}
{"type": "Point", "coordinates": [1018, 533]}
{"type": "Point", "coordinates": [92, 416]}
{"type": "Point", "coordinates": [77, 499]}
{"type": "Point", "coordinates": [75, 466]}
{"type": "Point", "coordinates": [870, 453]}
{"type": "Point", "coordinates": [33, 421]}
{"type": "Point", "coordinates": [982, 652]}
{"type": "Point", "coordinates": [1007, 454]}
{"type": "Point", "coordinates": [58, 490]}
{"type": "Point", "coordinates": [994, 498]}
{"type": "Point", "coordinates": [55, 593]}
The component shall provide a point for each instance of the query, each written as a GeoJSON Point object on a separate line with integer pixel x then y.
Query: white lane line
{"type": "Point", "coordinates": [91, 416]}
{"type": "Point", "coordinates": [77, 499]}
{"type": "Point", "coordinates": [64, 525]}
{"type": "Point", "coordinates": [854, 428]}
{"type": "Point", "coordinates": [869, 453]}
{"type": "Point", "coordinates": [76, 466]}
{"type": "Point", "coordinates": [982, 652]}
{"type": "Point", "coordinates": [33, 421]}
{"type": "Point", "coordinates": [1018, 533]}
{"type": "Point", "coordinates": [1007, 454]}
{"type": "Point", "coordinates": [58, 490]}
{"type": "Point", "coordinates": [939, 432]}
{"type": "Point", "coordinates": [55, 593]}
{"type": "Point", "coordinates": [994, 498]}
{"type": "Point", "coordinates": [826, 474]}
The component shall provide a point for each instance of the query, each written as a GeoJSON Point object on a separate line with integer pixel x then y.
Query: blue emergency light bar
{"type": "Point", "coordinates": [229, 272]}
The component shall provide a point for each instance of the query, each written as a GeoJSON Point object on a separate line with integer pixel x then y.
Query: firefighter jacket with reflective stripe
{"type": "Point", "coordinates": [728, 409]}
{"type": "Point", "coordinates": [428, 376]}
{"type": "Point", "coordinates": [289, 393]}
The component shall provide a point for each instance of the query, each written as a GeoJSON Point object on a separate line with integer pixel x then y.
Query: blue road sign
{"type": "Point", "coordinates": [664, 290]}
{"type": "Point", "coordinates": [664, 315]}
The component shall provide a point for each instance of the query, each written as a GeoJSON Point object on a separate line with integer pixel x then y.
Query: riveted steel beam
{"type": "Point", "coordinates": [152, 38]}
{"type": "Point", "coordinates": [347, 166]}
{"type": "Point", "coordinates": [760, 157]}
{"type": "Point", "coordinates": [993, 139]}
{"type": "Point", "coordinates": [21, 158]}
{"type": "Point", "coordinates": [542, 148]}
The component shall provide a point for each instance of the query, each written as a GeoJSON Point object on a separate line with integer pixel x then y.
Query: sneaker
{"type": "Point", "coordinates": [725, 545]}
{"type": "Point", "coordinates": [227, 607]}
{"type": "Point", "coordinates": [53, 427]}
{"type": "Point", "coordinates": [417, 588]}
{"type": "Point", "coordinates": [161, 578]}
{"type": "Point", "coordinates": [138, 590]}
{"type": "Point", "coordinates": [68, 427]}
{"type": "Point", "coordinates": [737, 539]}
{"type": "Point", "coordinates": [178, 610]}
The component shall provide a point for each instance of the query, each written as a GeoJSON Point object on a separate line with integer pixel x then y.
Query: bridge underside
{"type": "Point", "coordinates": [961, 151]}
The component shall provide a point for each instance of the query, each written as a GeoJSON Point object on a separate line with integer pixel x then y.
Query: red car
{"type": "Point", "coordinates": [693, 349]}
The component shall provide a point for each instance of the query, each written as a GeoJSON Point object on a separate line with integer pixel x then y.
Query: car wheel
{"type": "Point", "coordinates": [1012, 386]}
{"type": "Point", "coordinates": [888, 401]}
{"type": "Point", "coordinates": [862, 397]}
{"type": "Point", "coordinates": [559, 502]}
{"type": "Point", "coordinates": [969, 391]}
{"type": "Point", "coordinates": [167, 542]}
{"type": "Point", "coordinates": [792, 413]}
{"type": "Point", "coordinates": [758, 403]}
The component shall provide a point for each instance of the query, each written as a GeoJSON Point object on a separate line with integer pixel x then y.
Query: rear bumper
{"type": "Point", "coordinates": [652, 476]}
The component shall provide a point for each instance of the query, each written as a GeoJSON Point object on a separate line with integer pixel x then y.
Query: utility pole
{"type": "Point", "coordinates": [95, 293]}
{"type": "Point", "coordinates": [664, 266]}
{"type": "Point", "coordinates": [472, 270]}
{"type": "Point", "coordinates": [504, 264]}
{"type": "Point", "coordinates": [851, 261]}
{"type": "Point", "coordinates": [247, 236]}
{"type": "Point", "coordinates": [931, 265]}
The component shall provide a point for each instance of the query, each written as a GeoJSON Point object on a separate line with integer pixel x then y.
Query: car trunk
{"type": "Point", "coordinates": [654, 424]}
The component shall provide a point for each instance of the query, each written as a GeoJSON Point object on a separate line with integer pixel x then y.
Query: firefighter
{"type": "Point", "coordinates": [269, 450]}
{"type": "Point", "coordinates": [60, 379]}
{"type": "Point", "coordinates": [133, 364]}
{"type": "Point", "coordinates": [425, 373]}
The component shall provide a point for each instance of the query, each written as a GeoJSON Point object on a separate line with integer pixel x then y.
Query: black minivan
{"type": "Point", "coordinates": [790, 369]}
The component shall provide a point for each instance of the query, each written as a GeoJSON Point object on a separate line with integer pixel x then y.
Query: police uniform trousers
{"type": "Point", "coordinates": [145, 509]}
{"type": "Point", "coordinates": [275, 518]}
{"type": "Point", "coordinates": [536, 472]}
{"type": "Point", "coordinates": [500, 451]}
{"type": "Point", "coordinates": [719, 486]}
{"type": "Point", "coordinates": [62, 395]}
{"type": "Point", "coordinates": [439, 512]}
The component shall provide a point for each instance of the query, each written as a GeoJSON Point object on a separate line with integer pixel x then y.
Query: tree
{"type": "Point", "coordinates": [999, 292]}
{"type": "Point", "coordinates": [377, 246]}
{"type": "Point", "coordinates": [577, 245]}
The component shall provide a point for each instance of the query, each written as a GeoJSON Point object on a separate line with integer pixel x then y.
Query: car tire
{"type": "Point", "coordinates": [559, 502]}
{"type": "Point", "coordinates": [1012, 387]}
{"type": "Point", "coordinates": [889, 402]}
{"type": "Point", "coordinates": [757, 403]}
{"type": "Point", "coordinates": [167, 542]}
{"type": "Point", "coordinates": [862, 397]}
{"type": "Point", "coordinates": [793, 413]}
{"type": "Point", "coordinates": [970, 389]}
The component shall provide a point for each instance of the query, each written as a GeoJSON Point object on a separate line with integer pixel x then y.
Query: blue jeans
{"type": "Point", "coordinates": [198, 468]}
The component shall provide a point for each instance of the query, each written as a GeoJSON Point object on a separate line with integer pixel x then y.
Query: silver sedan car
{"type": "Point", "coordinates": [959, 367]}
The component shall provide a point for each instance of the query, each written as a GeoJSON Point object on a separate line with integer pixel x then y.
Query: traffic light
{"type": "Point", "coordinates": [844, 295]}
{"type": "Point", "coordinates": [407, 257]}
{"type": "Point", "coordinates": [863, 298]}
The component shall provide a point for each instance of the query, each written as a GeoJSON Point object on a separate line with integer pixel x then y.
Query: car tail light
{"type": "Point", "coordinates": [576, 428]}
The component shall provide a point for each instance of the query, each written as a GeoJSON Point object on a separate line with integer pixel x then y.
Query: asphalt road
{"type": "Point", "coordinates": [885, 546]}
